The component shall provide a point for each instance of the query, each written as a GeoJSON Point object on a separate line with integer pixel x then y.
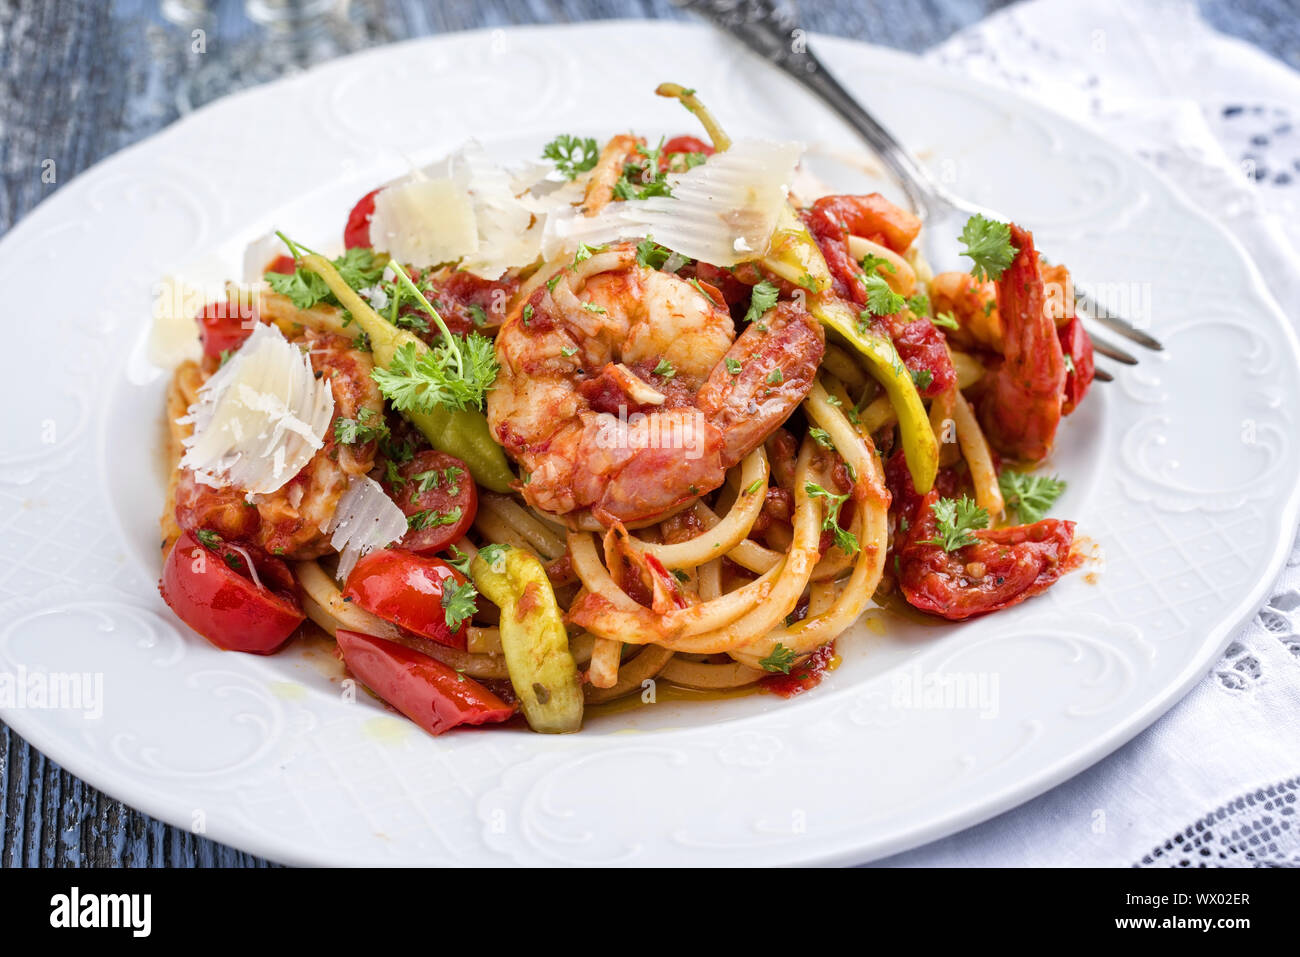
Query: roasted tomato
{"type": "Point", "coordinates": [357, 231]}
{"type": "Point", "coordinates": [440, 500]}
{"type": "Point", "coordinates": [1003, 568]}
{"type": "Point", "coordinates": [214, 591]}
{"type": "Point", "coordinates": [224, 326]}
{"type": "Point", "coordinates": [423, 595]}
{"type": "Point", "coordinates": [428, 692]}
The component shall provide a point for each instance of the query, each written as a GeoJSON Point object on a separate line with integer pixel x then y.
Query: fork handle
{"type": "Point", "coordinates": [770, 29]}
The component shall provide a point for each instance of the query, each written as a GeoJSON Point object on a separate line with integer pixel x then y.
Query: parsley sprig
{"type": "Point", "coordinates": [571, 154]}
{"type": "Point", "coordinates": [1030, 495]}
{"type": "Point", "coordinates": [359, 267]}
{"type": "Point", "coordinates": [847, 541]}
{"type": "Point", "coordinates": [641, 180]}
{"type": "Point", "coordinates": [956, 521]}
{"type": "Point", "coordinates": [881, 299]}
{"type": "Point", "coordinates": [779, 660]}
{"type": "Point", "coordinates": [455, 372]}
{"type": "Point", "coordinates": [989, 246]}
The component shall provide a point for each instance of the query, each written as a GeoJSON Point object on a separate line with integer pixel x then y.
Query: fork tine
{"type": "Point", "coordinates": [1112, 351]}
{"type": "Point", "coordinates": [1116, 323]}
{"type": "Point", "coordinates": [1101, 375]}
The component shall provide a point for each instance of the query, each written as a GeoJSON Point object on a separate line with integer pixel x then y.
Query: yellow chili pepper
{"type": "Point", "coordinates": [533, 639]}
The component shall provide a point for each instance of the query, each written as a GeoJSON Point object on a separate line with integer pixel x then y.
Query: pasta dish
{"type": "Point", "coordinates": [646, 412]}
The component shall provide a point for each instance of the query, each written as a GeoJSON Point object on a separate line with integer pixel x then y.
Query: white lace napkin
{"type": "Point", "coordinates": [1217, 780]}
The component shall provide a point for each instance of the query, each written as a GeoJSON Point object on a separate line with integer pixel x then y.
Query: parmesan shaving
{"type": "Point", "coordinates": [721, 212]}
{"type": "Point", "coordinates": [260, 418]}
{"type": "Point", "coordinates": [365, 519]}
{"type": "Point", "coordinates": [465, 208]}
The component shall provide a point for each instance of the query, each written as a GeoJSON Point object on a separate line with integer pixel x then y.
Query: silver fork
{"type": "Point", "coordinates": [770, 28]}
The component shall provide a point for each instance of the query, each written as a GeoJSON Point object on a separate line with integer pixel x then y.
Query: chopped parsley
{"type": "Point", "coordinates": [368, 426]}
{"type": "Point", "coordinates": [433, 478]}
{"type": "Point", "coordinates": [872, 263]}
{"type": "Point", "coordinates": [922, 378]}
{"type": "Point", "coordinates": [494, 556]}
{"type": "Point", "coordinates": [945, 320]}
{"type": "Point", "coordinates": [847, 541]}
{"type": "Point", "coordinates": [733, 366]}
{"type": "Point", "coordinates": [458, 560]}
{"type": "Point", "coordinates": [665, 369]}
{"type": "Point", "coordinates": [822, 438]}
{"type": "Point", "coordinates": [762, 298]}
{"type": "Point", "coordinates": [775, 377]}
{"type": "Point", "coordinates": [651, 255]}
{"type": "Point", "coordinates": [432, 518]}
{"type": "Point", "coordinates": [458, 603]}
{"type": "Point", "coordinates": [651, 179]}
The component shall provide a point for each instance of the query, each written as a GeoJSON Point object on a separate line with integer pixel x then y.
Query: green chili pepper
{"type": "Point", "coordinates": [794, 255]}
{"type": "Point", "coordinates": [463, 433]}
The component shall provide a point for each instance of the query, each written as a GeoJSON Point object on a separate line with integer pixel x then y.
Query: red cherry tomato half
{"type": "Point", "coordinates": [212, 591]}
{"type": "Point", "coordinates": [282, 264]}
{"type": "Point", "coordinates": [224, 326]}
{"type": "Point", "coordinates": [683, 144]}
{"type": "Point", "coordinates": [428, 692]}
{"type": "Point", "coordinates": [440, 500]}
{"type": "Point", "coordinates": [357, 231]}
{"type": "Point", "coordinates": [409, 590]}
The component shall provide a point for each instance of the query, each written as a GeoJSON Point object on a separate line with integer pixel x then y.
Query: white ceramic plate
{"type": "Point", "coordinates": [1183, 472]}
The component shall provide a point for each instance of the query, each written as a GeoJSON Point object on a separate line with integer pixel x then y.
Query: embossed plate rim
{"type": "Point", "coordinates": [864, 842]}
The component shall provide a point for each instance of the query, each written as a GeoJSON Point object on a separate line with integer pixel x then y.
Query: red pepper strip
{"type": "Point", "coordinates": [428, 692]}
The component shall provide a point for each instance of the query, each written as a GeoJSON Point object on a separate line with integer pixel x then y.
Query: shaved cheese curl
{"type": "Point", "coordinates": [366, 519]}
{"type": "Point", "coordinates": [260, 417]}
{"type": "Point", "coordinates": [721, 212]}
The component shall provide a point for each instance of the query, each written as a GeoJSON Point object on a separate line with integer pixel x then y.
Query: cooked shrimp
{"type": "Point", "coordinates": [1021, 406]}
{"type": "Point", "coordinates": [290, 522]}
{"type": "Point", "coordinates": [973, 304]}
{"type": "Point", "coordinates": [615, 395]}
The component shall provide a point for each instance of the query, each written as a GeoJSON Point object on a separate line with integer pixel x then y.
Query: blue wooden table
{"type": "Point", "coordinates": [85, 78]}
